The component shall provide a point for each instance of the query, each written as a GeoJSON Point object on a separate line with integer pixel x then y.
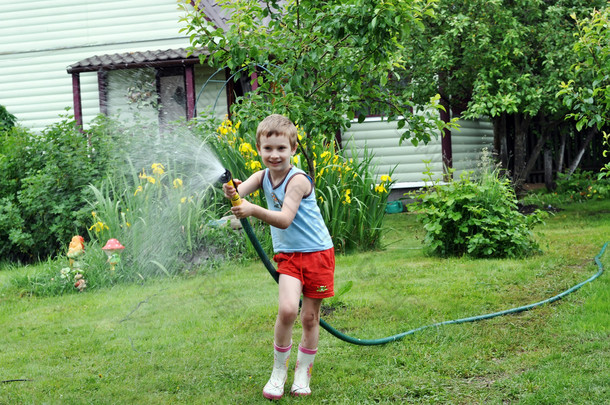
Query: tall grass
{"type": "Point", "coordinates": [350, 198]}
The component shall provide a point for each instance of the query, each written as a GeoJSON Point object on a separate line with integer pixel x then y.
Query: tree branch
{"type": "Point", "coordinates": [324, 83]}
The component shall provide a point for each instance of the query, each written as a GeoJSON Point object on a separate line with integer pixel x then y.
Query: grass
{"type": "Point", "coordinates": [207, 338]}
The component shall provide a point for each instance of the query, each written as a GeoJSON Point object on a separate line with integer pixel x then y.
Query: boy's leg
{"type": "Point", "coordinates": [288, 309]}
{"type": "Point", "coordinates": [289, 295]}
{"type": "Point", "coordinates": [310, 319]}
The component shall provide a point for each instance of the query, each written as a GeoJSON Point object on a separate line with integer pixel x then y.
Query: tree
{"type": "Point", "coordinates": [587, 93]}
{"type": "Point", "coordinates": [503, 60]}
{"type": "Point", "coordinates": [325, 63]}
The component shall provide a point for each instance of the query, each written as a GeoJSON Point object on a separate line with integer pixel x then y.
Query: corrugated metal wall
{"type": "Point", "coordinates": [382, 138]}
{"type": "Point", "coordinates": [39, 39]}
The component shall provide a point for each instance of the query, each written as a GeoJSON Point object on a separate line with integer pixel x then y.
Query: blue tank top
{"type": "Point", "coordinates": [307, 232]}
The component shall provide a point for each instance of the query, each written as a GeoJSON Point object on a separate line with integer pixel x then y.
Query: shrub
{"type": "Point", "coordinates": [44, 183]}
{"type": "Point", "coordinates": [582, 185]}
{"type": "Point", "coordinates": [475, 216]}
{"type": "Point", "coordinates": [7, 120]}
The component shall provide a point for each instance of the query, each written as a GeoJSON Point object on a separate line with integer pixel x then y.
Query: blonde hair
{"type": "Point", "coordinates": [276, 124]}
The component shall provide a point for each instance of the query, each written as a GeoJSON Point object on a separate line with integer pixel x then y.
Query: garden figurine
{"type": "Point", "coordinates": [113, 249]}
{"type": "Point", "coordinates": [80, 283]}
{"type": "Point", "coordinates": [302, 245]}
{"type": "Point", "coordinates": [76, 249]}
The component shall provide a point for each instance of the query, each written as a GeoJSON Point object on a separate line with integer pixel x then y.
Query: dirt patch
{"type": "Point", "coordinates": [327, 310]}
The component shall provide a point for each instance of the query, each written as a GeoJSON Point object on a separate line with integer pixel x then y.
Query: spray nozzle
{"type": "Point", "coordinates": [227, 178]}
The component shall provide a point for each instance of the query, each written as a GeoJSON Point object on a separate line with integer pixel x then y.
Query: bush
{"type": "Point", "coordinates": [475, 216]}
{"type": "Point", "coordinates": [43, 189]}
{"type": "Point", "coordinates": [7, 120]}
{"type": "Point", "coordinates": [582, 186]}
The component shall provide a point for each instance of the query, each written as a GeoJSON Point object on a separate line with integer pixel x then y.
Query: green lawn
{"type": "Point", "coordinates": [207, 339]}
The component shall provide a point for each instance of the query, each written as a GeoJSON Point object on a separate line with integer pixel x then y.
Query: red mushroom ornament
{"type": "Point", "coordinates": [113, 249]}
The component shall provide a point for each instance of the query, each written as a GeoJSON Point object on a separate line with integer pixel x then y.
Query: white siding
{"type": "Point", "coordinates": [467, 143]}
{"type": "Point", "coordinates": [40, 39]}
{"type": "Point", "coordinates": [382, 138]}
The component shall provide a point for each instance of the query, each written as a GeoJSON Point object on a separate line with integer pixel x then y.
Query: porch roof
{"type": "Point", "coordinates": [130, 60]}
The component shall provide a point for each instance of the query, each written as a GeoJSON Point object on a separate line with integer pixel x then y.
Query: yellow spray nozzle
{"type": "Point", "coordinates": [227, 178]}
{"type": "Point", "coordinates": [235, 200]}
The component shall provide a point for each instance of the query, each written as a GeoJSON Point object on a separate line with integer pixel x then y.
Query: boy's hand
{"type": "Point", "coordinates": [243, 210]}
{"type": "Point", "coordinates": [229, 190]}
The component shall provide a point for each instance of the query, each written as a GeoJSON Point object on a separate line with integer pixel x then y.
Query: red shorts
{"type": "Point", "coordinates": [315, 270]}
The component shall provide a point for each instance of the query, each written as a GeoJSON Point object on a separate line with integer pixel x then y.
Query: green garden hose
{"type": "Point", "coordinates": [372, 342]}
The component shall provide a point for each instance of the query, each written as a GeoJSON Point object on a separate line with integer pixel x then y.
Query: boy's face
{"type": "Point", "coordinates": [275, 151]}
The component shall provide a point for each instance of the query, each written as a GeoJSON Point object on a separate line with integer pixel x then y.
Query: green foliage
{"type": "Point", "coordinates": [159, 220]}
{"type": "Point", "coordinates": [153, 199]}
{"type": "Point", "coordinates": [587, 93]}
{"type": "Point", "coordinates": [43, 187]}
{"type": "Point", "coordinates": [7, 120]}
{"type": "Point", "coordinates": [320, 63]}
{"type": "Point", "coordinates": [500, 57]}
{"type": "Point", "coordinates": [504, 60]}
{"type": "Point", "coordinates": [351, 200]}
{"type": "Point", "coordinates": [477, 217]}
{"type": "Point", "coordinates": [581, 186]}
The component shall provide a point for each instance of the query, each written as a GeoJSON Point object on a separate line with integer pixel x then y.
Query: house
{"type": "Point", "coordinates": [41, 40]}
{"type": "Point", "coordinates": [460, 149]}
{"type": "Point", "coordinates": [125, 58]}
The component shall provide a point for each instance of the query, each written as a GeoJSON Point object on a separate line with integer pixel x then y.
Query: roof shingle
{"type": "Point", "coordinates": [169, 57]}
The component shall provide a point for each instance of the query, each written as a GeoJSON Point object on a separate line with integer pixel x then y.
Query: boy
{"type": "Point", "coordinates": [302, 245]}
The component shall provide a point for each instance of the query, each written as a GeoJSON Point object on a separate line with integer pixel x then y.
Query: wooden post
{"type": "Point", "coordinates": [189, 78]}
{"type": "Point", "coordinates": [78, 107]}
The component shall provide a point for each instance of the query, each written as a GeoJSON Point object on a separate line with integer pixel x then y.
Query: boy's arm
{"type": "Point", "coordinates": [298, 187]}
{"type": "Point", "coordinates": [252, 184]}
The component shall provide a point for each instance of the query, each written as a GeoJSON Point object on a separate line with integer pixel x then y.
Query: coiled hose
{"type": "Point", "coordinates": [372, 342]}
